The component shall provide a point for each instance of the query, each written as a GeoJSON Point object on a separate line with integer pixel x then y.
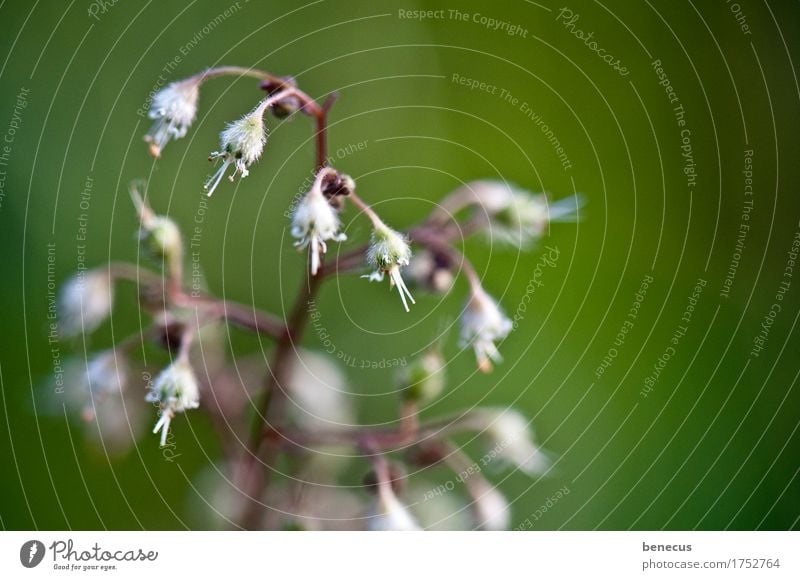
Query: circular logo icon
{"type": "Point", "coordinates": [31, 553]}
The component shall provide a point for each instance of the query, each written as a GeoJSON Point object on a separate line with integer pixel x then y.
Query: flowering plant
{"type": "Point", "coordinates": [422, 257]}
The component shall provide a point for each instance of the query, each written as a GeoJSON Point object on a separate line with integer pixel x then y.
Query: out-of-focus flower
{"type": "Point", "coordinates": [492, 511]}
{"type": "Point", "coordinates": [431, 271]}
{"type": "Point", "coordinates": [106, 376]}
{"type": "Point", "coordinates": [241, 144]}
{"type": "Point", "coordinates": [176, 391]}
{"type": "Point", "coordinates": [317, 389]}
{"type": "Point", "coordinates": [424, 378]}
{"type": "Point", "coordinates": [388, 514]}
{"type": "Point", "coordinates": [482, 324]}
{"type": "Point", "coordinates": [173, 110]}
{"type": "Point", "coordinates": [512, 439]}
{"type": "Point", "coordinates": [388, 251]}
{"type": "Point", "coordinates": [86, 300]}
{"type": "Point", "coordinates": [315, 221]}
{"type": "Point", "coordinates": [159, 234]}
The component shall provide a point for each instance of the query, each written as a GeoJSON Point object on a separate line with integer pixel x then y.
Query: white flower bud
{"type": "Point", "coordinates": [388, 514]}
{"type": "Point", "coordinates": [492, 511]}
{"type": "Point", "coordinates": [241, 144]}
{"type": "Point", "coordinates": [106, 376]}
{"type": "Point", "coordinates": [86, 300]}
{"type": "Point", "coordinates": [512, 439]}
{"type": "Point", "coordinates": [388, 251]}
{"type": "Point", "coordinates": [176, 391]}
{"type": "Point", "coordinates": [483, 323]}
{"type": "Point", "coordinates": [315, 221]}
{"type": "Point", "coordinates": [173, 108]}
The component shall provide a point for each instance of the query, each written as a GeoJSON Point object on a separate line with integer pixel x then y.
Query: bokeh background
{"type": "Point", "coordinates": [712, 445]}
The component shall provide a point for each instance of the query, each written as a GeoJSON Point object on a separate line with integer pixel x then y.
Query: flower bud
{"type": "Point", "coordinates": [241, 145]}
{"type": "Point", "coordinates": [173, 109]}
{"type": "Point", "coordinates": [482, 324]}
{"type": "Point", "coordinates": [388, 251]}
{"type": "Point", "coordinates": [423, 380]}
{"type": "Point", "coordinates": [512, 439]}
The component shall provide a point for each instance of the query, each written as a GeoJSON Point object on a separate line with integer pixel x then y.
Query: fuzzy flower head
{"type": "Point", "coordinates": [482, 324]}
{"type": "Point", "coordinates": [315, 221]}
{"type": "Point", "coordinates": [512, 438]}
{"type": "Point", "coordinates": [175, 390]}
{"type": "Point", "coordinates": [85, 301]}
{"type": "Point", "coordinates": [241, 145]}
{"type": "Point", "coordinates": [173, 110]}
{"type": "Point", "coordinates": [388, 252]}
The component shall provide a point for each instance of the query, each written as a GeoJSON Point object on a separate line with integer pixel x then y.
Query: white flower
{"type": "Point", "coordinates": [431, 271]}
{"type": "Point", "coordinates": [483, 323]}
{"type": "Point", "coordinates": [492, 511]}
{"type": "Point", "coordinates": [388, 251]}
{"type": "Point", "coordinates": [389, 514]}
{"type": "Point", "coordinates": [515, 216]}
{"type": "Point", "coordinates": [176, 391]}
{"type": "Point", "coordinates": [241, 144]}
{"type": "Point", "coordinates": [512, 439]}
{"type": "Point", "coordinates": [173, 108]}
{"type": "Point", "coordinates": [106, 376]}
{"type": "Point", "coordinates": [314, 221]}
{"type": "Point", "coordinates": [85, 301]}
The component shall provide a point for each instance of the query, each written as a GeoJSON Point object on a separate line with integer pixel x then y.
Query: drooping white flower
{"type": "Point", "coordinates": [513, 440]}
{"type": "Point", "coordinates": [106, 376]}
{"type": "Point", "coordinates": [173, 109]}
{"type": "Point", "coordinates": [492, 511]}
{"type": "Point", "coordinates": [175, 389]}
{"type": "Point", "coordinates": [388, 251]}
{"type": "Point", "coordinates": [388, 513]}
{"type": "Point", "coordinates": [315, 221]}
{"type": "Point", "coordinates": [86, 300]}
{"type": "Point", "coordinates": [241, 145]}
{"type": "Point", "coordinates": [483, 323]}
{"type": "Point", "coordinates": [508, 213]}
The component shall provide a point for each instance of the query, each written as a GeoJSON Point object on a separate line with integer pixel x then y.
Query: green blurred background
{"type": "Point", "coordinates": [713, 445]}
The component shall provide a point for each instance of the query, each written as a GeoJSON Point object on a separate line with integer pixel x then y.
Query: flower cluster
{"type": "Point", "coordinates": [307, 404]}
